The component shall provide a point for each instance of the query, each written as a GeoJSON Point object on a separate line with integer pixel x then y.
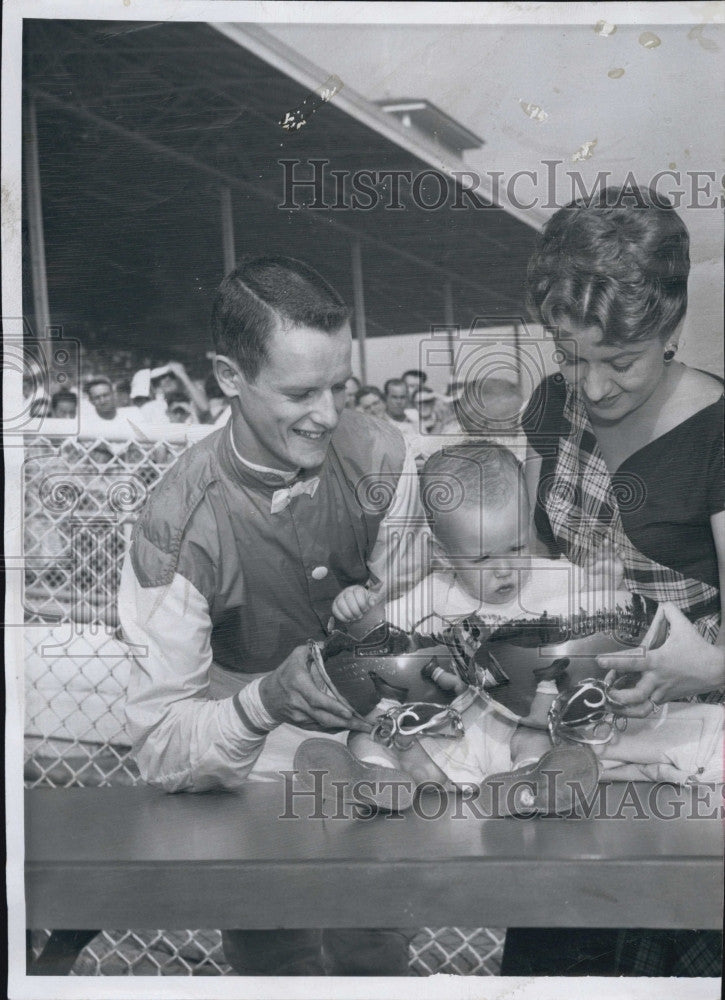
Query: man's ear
{"type": "Point", "coordinates": [229, 375]}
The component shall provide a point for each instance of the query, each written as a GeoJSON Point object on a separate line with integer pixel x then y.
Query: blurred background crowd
{"type": "Point", "coordinates": [121, 391]}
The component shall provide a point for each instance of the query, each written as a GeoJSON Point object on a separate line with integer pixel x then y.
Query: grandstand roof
{"type": "Point", "coordinates": [141, 124]}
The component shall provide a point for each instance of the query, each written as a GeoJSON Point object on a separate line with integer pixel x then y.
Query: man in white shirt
{"type": "Point", "coordinates": [414, 380]}
{"type": "Point", "coordinates": [237, 558]}
{"type": "Point", "coordinates": [113, 424]}
{"type": "Point", "coordinates": [396, 405]}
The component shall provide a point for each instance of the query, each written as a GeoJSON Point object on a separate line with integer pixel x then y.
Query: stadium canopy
{"type": "Point", "coordinates": [153, 160]}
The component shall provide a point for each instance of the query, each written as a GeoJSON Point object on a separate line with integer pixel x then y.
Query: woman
{"type": "Point", "coordinates": [626, 473]}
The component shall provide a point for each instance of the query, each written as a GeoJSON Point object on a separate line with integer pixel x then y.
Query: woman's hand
{"type": "Point", "coordinates": [685, 664]}
{"type": "Point", "coordinates": [604, 573]}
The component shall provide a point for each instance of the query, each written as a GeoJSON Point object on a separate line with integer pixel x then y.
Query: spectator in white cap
{"type": "Point", "coordinates": [430, 417]}
{"type": "Point", "coordinates": [167, 379]}
{"type": "Point", "coordinates": [141, 387]}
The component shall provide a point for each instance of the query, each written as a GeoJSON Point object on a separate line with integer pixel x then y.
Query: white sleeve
{"type": "Point", "coordinates": [183, 740]}
{"type": "Point", "coordinates": [401, 555]}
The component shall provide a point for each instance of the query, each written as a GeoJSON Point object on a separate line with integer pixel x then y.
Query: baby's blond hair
{"type": "Point", "coordinates": [480, 474]}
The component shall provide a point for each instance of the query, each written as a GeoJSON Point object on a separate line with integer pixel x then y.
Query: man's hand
{"type": "Point", "coordinates": [290, 695]}
{"type": "Point", "coordinates": [353, 602]}
{"type": "Point", "coordinates": [197, 396]}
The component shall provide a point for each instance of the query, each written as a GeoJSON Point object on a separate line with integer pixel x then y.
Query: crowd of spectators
{"type": "Point", "coordinates": [116, 392]}
{"type": "Point", "coordinates": [487, 407]}
{"type": "Point", "coordinates": [120, 392]}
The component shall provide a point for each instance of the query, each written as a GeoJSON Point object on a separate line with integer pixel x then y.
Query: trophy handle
{"type": "Point", "coordinates": [657, 632]}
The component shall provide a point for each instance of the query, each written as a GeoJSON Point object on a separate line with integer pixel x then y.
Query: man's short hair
{"type": "Point", "coordinates": [369, 390]}
{"type": "Point", "coordinates": [394, 381]}
{"type": "Point", "coordinates": [263, 292]}
{"type": "Point", "coordinates": [479, 475]}
{"type": "Point", "coordinates": [416, 373]}
{"type": "Point", "coordinates": [64, 396]}
{"type": "Point", "coordinates": [98, 380]}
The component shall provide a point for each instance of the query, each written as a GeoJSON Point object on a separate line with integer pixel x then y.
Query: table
{"type": "Point", "coordinates": [135, 857]}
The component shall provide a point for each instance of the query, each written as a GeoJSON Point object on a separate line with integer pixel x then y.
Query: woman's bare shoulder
{"type": "Point", "coordinates": [703, 387]}
{"type": "Point", "coordinates": [696, 391]}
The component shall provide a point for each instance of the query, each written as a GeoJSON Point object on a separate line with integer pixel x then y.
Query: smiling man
{"type": "Point", "coordinates": [237, 558]}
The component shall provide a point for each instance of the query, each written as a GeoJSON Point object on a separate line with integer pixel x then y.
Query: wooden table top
{"type": "Point", "coordinates": [135, 857]}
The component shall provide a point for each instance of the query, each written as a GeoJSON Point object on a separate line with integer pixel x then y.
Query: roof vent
{"type": "Point", "coordinates": [429, 119]}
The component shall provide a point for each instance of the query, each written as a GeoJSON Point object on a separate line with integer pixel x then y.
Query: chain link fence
{"type": "Point", "coordinates": [80, 501]}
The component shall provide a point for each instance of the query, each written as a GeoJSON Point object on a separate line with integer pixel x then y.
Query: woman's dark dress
{"type": "Point", "coordinates": [656, 510]}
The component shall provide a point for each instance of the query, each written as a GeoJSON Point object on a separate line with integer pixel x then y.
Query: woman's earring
{"type": "Point", "coordinates": [669, 354]}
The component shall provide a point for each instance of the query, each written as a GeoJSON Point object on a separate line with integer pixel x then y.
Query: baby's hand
{"type": "Point", "coordinates": [352, 603]}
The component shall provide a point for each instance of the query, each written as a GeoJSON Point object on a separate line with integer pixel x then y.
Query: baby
{"type": "Point", "coordinates": [475, 501]}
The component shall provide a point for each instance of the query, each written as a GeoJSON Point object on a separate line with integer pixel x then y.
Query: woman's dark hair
{"type": "Point", "coordinates": [263, 292]}
{"type": "Point", "coordinates": [619, 261]}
